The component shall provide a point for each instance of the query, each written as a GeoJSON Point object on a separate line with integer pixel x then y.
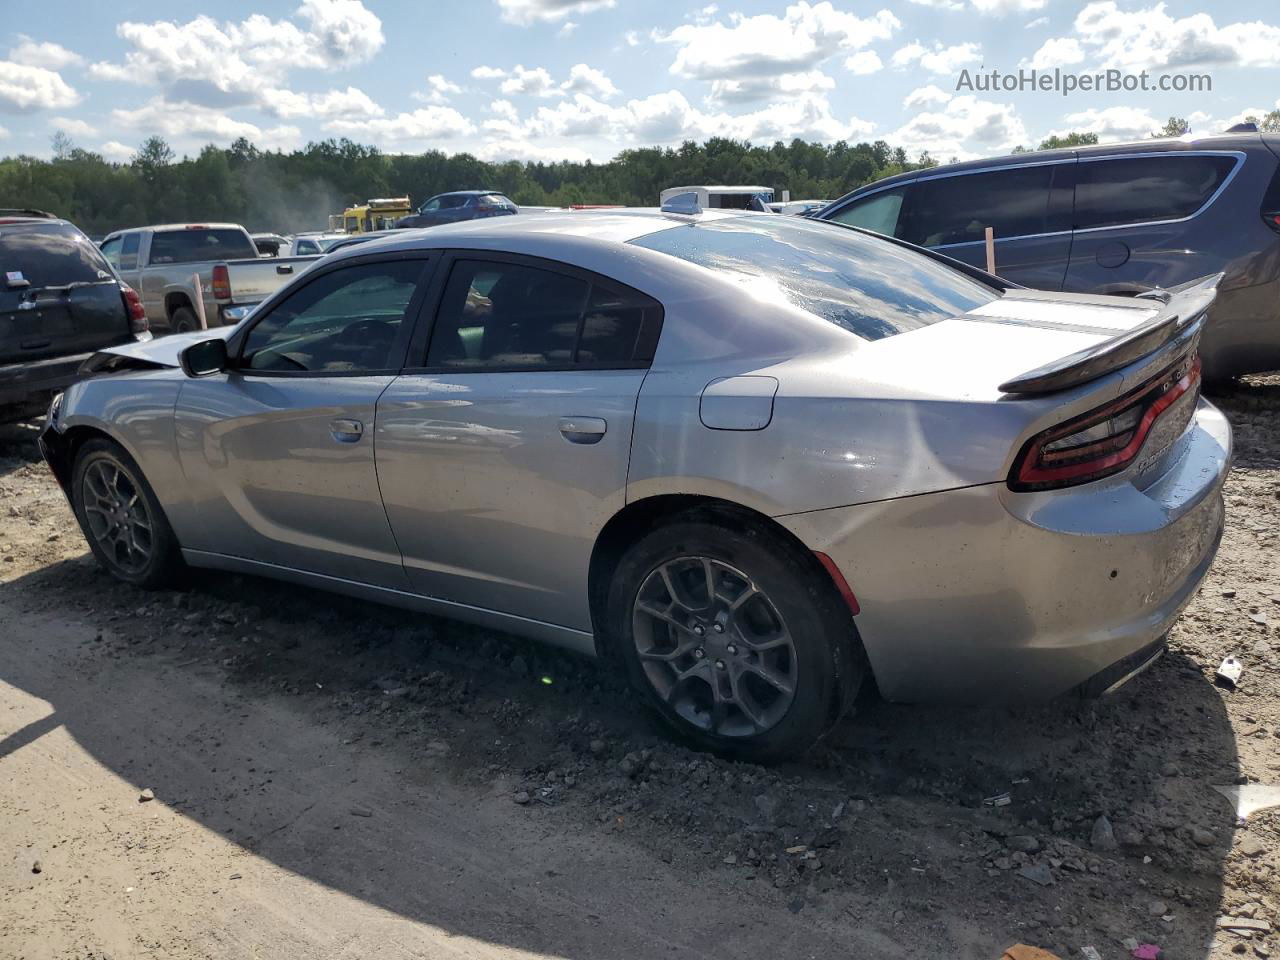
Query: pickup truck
{"type": "Point", "coordinates": [180, 268]}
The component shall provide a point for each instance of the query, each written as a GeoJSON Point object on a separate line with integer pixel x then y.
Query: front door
{"type": "Point", "coordinates": [278, 452]}
{"type": "Point", "coordinates": [505, 453]}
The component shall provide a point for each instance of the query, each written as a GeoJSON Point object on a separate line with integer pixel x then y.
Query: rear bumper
{"type": "Point", "coordinates": [982, 594]}
{"type": "Point", "coordinates": [34, 382]}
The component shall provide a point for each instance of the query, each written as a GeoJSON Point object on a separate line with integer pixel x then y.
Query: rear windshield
{"type": "Point", "coordinates": [194, 246]}
{"type": "Point", "coordinates": [48, 255]}
{"type": "Point", "coordinates": [495, 200]}
{"type": "Point", "coordinates": [864, 284]}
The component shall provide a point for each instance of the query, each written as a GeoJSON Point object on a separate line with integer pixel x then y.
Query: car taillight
{"type": "Point", "coordinates": [487, 208]}
{"type": "Point", "coordinates": [1104, 441]}
{"type": "Point", "coordinates": [137, 313]}
{"type": "Point", "coordinates": [221, 282]}
{"type": "Point", "coordinates": [1272, 220]}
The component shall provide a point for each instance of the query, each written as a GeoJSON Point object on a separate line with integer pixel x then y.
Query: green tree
{"type": "Point", "coordinates": [1173, 127]}
{"type": "Point", "coordinates": [1072, 139]}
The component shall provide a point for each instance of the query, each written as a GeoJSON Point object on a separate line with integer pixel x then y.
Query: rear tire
{"type": "Point", "coordinates": [184, 320]}
{"type": "Point", "coordinates": [121, 518]}
{"type": "Point", "coordinates": [758, 670]}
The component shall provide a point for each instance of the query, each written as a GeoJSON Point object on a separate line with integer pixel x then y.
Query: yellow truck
{"type": "Point", "coordinates": [377, 214]}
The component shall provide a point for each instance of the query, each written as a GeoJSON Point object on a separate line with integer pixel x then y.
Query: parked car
{"type": "Point", "coordinates": [798, 208]}
{"type": "Point", "coordinates": [163, 263]}
{"type": "Point", "coordinates": [754, 459]}
{"type": "Point", "coordinates": [314, 244]}
{"type": "Point", "coordinates": [269, 244]}
{"type": "Point", "coordinates": [718, 197]}
{"type": "Point", "coordinates": [458, 206]}
{"type": "Point", "coordinates": [60, 302]}
{"type": "Point", "coordinates": [1116, 219]}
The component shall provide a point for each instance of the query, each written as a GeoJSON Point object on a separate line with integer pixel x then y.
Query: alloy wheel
{"type": "Point", "coordinates": [119, 519]}
{"type": "Point", "coordinates": [714, 647]}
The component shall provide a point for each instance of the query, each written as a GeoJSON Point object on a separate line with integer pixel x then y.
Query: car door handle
{"type": "Point", "coordinates": [346, 431]}
{"type": "Point", "coordinates": [284, 268]}
{"type": "Point", "coordinates": [582, 429]}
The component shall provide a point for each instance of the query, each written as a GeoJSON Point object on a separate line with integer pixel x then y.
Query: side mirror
{"type": "Point", "coordinates": [204, 358]}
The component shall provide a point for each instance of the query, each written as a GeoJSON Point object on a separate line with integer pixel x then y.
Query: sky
{"type": "Point", "coordinates": [579, 79]}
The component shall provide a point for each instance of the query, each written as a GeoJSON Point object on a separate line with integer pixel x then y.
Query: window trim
{"type": "Point", "coordinates": [1238, 155]}
{"type": "Point", "coordinates": [421, 341]}
{"type": "Point", "coordinates": [412, 315]}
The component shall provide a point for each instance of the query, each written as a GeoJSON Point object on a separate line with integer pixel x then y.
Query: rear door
{"type": "Point", "coordinates": [278, 452]}
{"type": "Point", "coordinates": [504, 453]}
{"type": "Point", "coordinates": [1138, 218]}
{"type": "Point", "coordinates": [1027, 206]}
{"type": "Point", "coordinates": [58, 294]}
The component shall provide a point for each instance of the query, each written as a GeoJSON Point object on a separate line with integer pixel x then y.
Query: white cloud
{"type": "Point", "coordinates": [440, 89]}
{"type": "Point", "coordinates": [351, 102]}
{"type": "Point", "coordinates": [755, 89]}
{"type": "Point", "coordinates": [1037, 22]}
{"type": "Point", "coordinates": [192, 123]}
{"type": "Point", "coordinates": [25, 88]}
{"type": "Point", "coordinates": [1001, 7]}
{"type": "Point", "coordinates": [530, 11]}
{"type": "Point", "coordinates": [940, 4]}
{"type": "Point", "coordinates": [505, 110]}
{"type": "Point", "coordinates": [566, 28]}
{"type": "Point", "coordinates": [967, 127]}
{"type": "Point", "coordinates": [222, 64]}
{"type": "Point", "coordinates": [804, 37]}
{"type": "Point", "coordinates": [864, 62]}
{"type": "Point", "coordinates": [51, 56]}
{"type": "Point", "coordinates": [530, 81]}
{"type": "Point", "coordinates": [585, 79]}
{"type": "Point", "coordinates": [938, 59]}
{"type": "Point", "coordinates": [1113, 123]}
{"type": "Point", "coordinates": [632, 38]}
{"type": "Point", "coordinates": [428, 124]}
{"type": "Point", "coordinates": [74, 127]}
{"type": "Point", "coordinates": [581, 116]}
{"type": "Point", "coordinates": [116, 151]}
{"type": "Point", "coordinates": [1151, 38]}
{"type": "Point", "coordinates": [1056, 52]}
{"type": "Point", "coordinates": [524, 150]}
{"type": "Point", "coordinates": [4, 132]}
{"type": "Point", "coordinates": [924, 95]}
{"type": "Point", "coordinates": [487, 73]}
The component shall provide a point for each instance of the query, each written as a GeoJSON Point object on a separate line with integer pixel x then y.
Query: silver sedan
{"type": "Point", "coordinates": [752, 460]}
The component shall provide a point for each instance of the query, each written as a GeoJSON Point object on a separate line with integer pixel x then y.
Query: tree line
{"type": "Point", "coordinates": [298, 190]}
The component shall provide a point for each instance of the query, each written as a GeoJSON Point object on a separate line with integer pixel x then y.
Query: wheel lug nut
{"type": "Point", "coordinates": [699, 630]}
{"type": "Point", "coordinates": [732, 650]}
{"type": "Point", "coordinates": [719, 664]}
{"type": "Point", "coordinates": [718, 628]}
{"type": "Point", "coordinates": [699, 653]}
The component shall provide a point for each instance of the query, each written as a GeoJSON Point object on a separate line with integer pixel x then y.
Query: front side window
{"type": "Point", "coordinates": [866, 285]}
{"type": "Point", "coordinates": [958, 209]}
{"type": "Point", "coordinates": [111, 250]}
{"type": "Point", "coordinates": [1142, 189]}
{"type": "Point", "coordinates": [432, 204]}
{"type": "Point", "coordinates": [307, 246]}
{"type": "Point", "coordinates": [346, 321]}
{"type": "Point", "coordinates": [129, 251]}
{"type": "Point", "coordinates": [878, 213]}
{"type": "Point", "coordinates": [513, 316]}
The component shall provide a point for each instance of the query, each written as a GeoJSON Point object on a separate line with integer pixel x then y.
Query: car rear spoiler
{"type": "Point", "coordinates": [1183, 307]}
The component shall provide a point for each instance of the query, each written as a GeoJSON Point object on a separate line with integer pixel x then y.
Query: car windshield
{"type": "Point", "coordinates": [869, 286]}
{"type": "Point", "coordinates": [324, 243]}
{"type": "Point", "coordinates": [49, 255]}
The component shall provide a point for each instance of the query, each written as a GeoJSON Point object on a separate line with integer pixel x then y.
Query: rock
{"type": "Point", "coordinates": [147, 794]}
{"type": "Point", "coordinates": [1251, 846]}
{"type": "Point", "coordinates": [1130, 943]}
{"type": "Point", "coordinates": [36, 867]}
{"type": "Point", "coordinates": [1037, 873]}
{"type": "Point", "coordinates": [1243, 924]}
{"type": "Point", "coordinates": [1103, 837]}
{"type": "Point", "coordinates": [521, 797]}
{"type": "Point", "coordinates": [1202, 837]}
{"type": "Point", "coordinates": [597, 747]}
{"type": "Point", "coordinates": [1024, 843]}
{"type": "Point", "coordinates": [361, 812]}
{"type": "Point", "coordinates": [766, 806]}
{"type": "Point", "coordinates": [1228, 593]}
{"type": "Point", "coordinates": [1157, 908]}
{"type": "Point", "coordinates": [518, 666]}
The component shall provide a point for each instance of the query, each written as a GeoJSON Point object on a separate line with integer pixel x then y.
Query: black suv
{"type": "Point", "coordinates": [1115, 219]}
{"type": "Point", "coordinates": [459, 205]}
{"type": "Point", "coordinates": [59, 302]}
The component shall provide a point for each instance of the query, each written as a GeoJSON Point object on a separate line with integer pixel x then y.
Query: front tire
{"type": "Point", "coordinates": [184, 320]}
{"type": "Point", "coordinates": [734, 636]}
{"type": "Point", "coordinates": [121, 518]}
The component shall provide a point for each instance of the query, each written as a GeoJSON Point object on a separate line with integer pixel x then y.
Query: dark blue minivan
{"type": "Point", "coordinates": [1113, 219]}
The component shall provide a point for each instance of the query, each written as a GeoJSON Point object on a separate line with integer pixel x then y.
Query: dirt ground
{"type": "Point", "coordinates": [334, 779]}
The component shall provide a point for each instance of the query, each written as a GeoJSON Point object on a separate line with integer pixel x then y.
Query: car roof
{"type": "Point", "coordinates": [600, 226]}
{"type": "Point", "coordinates": [200, 225]}
{"type": "Point", "coordinates": [1228, 141]}
{"type": "Point", "coordinates": [467, 193]}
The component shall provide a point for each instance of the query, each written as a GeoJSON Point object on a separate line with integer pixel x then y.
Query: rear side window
{"type": "Point", "coordinates": [958, 209]}
{"type": "Point", "coordinates": [867, 285]}
{"type": "Point", "coordinates": [1142, 189]}
{"type": "Point", "coordinates": [494, 200]}
{"type": "Point", "coordinates": [129, 251]}
{"type": "Point", "coordinates": [195, 246]}
{"type": "Point", "coordinates": [878, 213]}
{"type": "Point", "coordinates": [49, 255]}
{"type": "Point", "coordinates": [497, 315]}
